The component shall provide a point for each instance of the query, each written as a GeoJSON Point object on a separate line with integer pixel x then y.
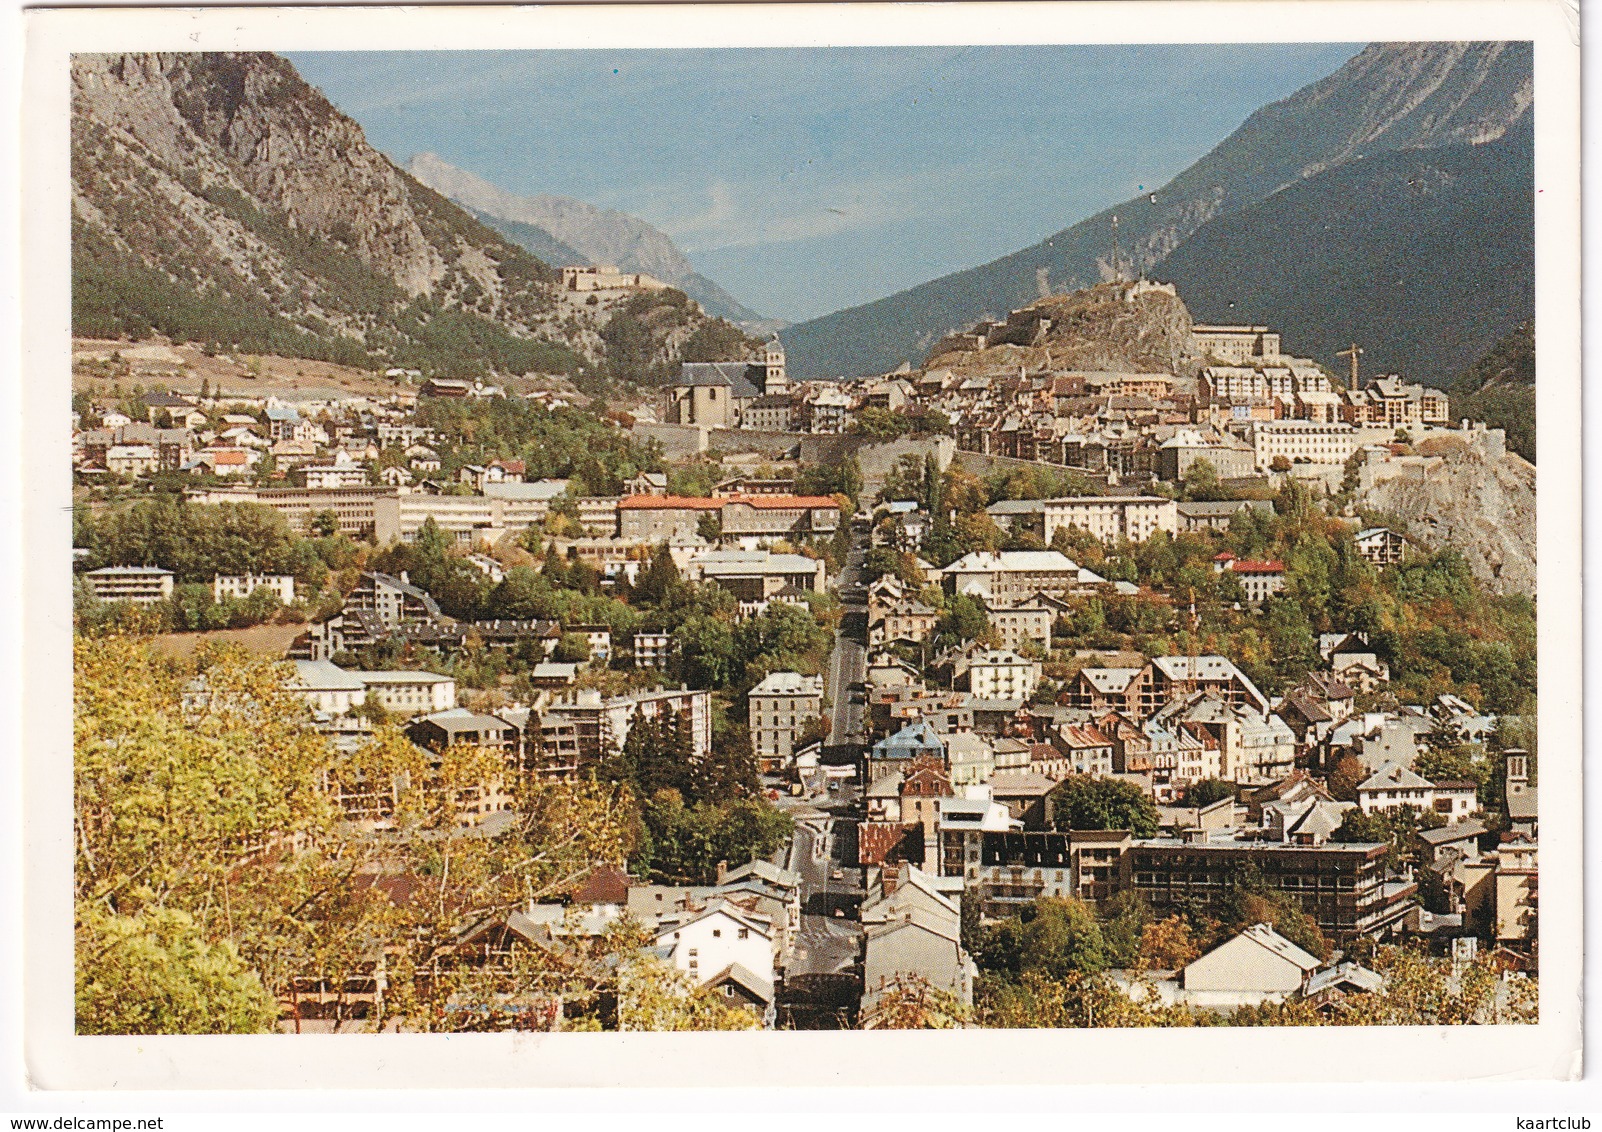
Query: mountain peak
{"type": "Point", "coordinates": [598, 235]}
{"type": "Point", "coordinates": [1388, 97]}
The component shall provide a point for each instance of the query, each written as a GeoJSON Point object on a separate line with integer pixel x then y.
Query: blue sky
{"type": "Point", "coordinates": [806, 180]}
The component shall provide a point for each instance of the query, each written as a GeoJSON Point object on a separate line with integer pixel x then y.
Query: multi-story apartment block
{"type": "Point", "coordinates": [652, 649]}
{"type": "Point", "coordinates": [1029, 621]}
{"type": "Point", "coordinates": [1393, 403]}
{"type": "Point", "coordinates": [143, 585]}
{"type": "Point", "coordinates": [1111, 517]}
{"type": "Point", "coordinates": [655, 518]}
{"type": "Point", "coordinates": [997, 674]}
{"type": "Point", "coordinates": [1166, 678]}
{"type": "Point", "coordinates": [1012, 575]}
{"type": "Point", "coordinates": [407, 693]}
{"type": "Point", "coordinates": [1302, 442]}
{"type": "Point", "coordinates": [781, 706]}
{"type": "Point", "coordinates": [601, 726]}
{"type": "Point", "coordinates": [394, 601]}
{"type": "Point", "coordinates": [1344, 886]}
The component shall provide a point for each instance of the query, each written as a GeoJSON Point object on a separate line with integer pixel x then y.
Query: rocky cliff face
{"type": "Point", "coordinates": [163, 142]}
{"type": "Point", "coordinates": [1115, 326]}
{"type": "Point", "coordinates": [599, 235]}
{"type": "Point", "coordinates": [1389, 97]}
{"type": "Point", "coordinates": [219, 198]}
{"type": "Point", "coordinates": [1469, 495]}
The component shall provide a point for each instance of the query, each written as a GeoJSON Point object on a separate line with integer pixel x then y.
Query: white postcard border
{"type": "Point", "coordinates": [58, 1059]}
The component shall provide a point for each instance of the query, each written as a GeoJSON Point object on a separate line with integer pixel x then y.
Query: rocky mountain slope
{"type": "Point", "coordinates": [597, 235]}
{"type": "Point", "coordinates": [1473, 497]}
{"type": "Point", "coordinates": [1390, 97]}
{"type": "Point", "coordinates": [1114, 326]}
{"type": "Point", "coordinates": [221, 200]}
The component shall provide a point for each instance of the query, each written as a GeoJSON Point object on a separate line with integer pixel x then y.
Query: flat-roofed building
{"type": "Point", "coordinates": [653, 518]}
{"type": "Point", "coordinates": [143, 585]}
{"type": "Point", "coordinates": [353, 508]}
{"type": "Point", "coordinates": [601, 726]}
{"type": "Point", "coordinates": [468, 519]}
{"type": "Point", "coordinates": [1344, 886]}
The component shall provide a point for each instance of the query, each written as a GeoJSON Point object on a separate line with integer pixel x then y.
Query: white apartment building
{"type": "Point", "coordinates": [243, 585]}
{"type": "Point", "coordinates": [145, 585]}
{"type": "Point", "coordinates": [1027, 621]}
{"type": "Point", "coordinates": [1012, 575]}
{"type": "Point", "coordinates": [780, 706]}
{"type": "Point", "coordinates": [1001, 674]}
{"type": "Point", "coordinates": [409, 693]}
{"type": "Point", "coordinates": [1305, 442]}
{"type": "Point", "coordinates": [1112, 517]}
{"type": "Point", "coordinates": [332, 690]}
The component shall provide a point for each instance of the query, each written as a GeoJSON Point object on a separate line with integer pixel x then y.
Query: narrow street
{"type": "Point", "coordinates": [822, 982]}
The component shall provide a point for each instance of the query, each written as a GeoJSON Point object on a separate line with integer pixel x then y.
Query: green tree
{"type": "Point", "coordinates": [1062, 936]}
{"type": "Point", "coordinates": [157, 972]}
{"type": "Point", "coordinates": [1205, 792]}
{"type": "Point", "coordinates": [572, 648]}
{"type": "Point", "coordinates": [1082, 802]}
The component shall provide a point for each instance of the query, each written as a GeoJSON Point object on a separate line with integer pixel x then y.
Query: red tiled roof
{"type": "Point", "coordinates": [1254, 566]}
{"type": "Point", "coordinates": [606, 885]}
{"type": "Point", "coordinates": [689, 503]}
{"type": "Point", "coordinates": [877, 840]}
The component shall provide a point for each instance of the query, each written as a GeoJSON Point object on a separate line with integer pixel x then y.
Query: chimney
{"type": "Point", "coordinates": [405, 581]}
{"type": "Point", "coordinates": [723, 871]}
{"type": "Point", "coordinates": [891, 879]}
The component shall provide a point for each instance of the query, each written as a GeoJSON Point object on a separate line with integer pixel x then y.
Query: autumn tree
{"type": "Point", "coordinates": [653, 995]}
{"type": "Point", "coordinates": [1168, 944]}
{"type": "Point", "coordinates": [911, 1002]}
{"type": "Point", "coordinates": [1345, 777]}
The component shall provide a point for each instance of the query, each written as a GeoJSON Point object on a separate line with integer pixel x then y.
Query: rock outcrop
{"type": "Point", "coordinates": [1470, 495]}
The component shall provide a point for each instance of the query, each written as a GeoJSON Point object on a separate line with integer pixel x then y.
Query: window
{"type": "Point", "coordinates": [717, 933]}
{"type": "Point", "coordinates": [745, 933]}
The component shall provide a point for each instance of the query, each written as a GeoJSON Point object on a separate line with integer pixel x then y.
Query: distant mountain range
{"type": "Point", "coordinates": [1378, 183]}
{"type": "Point", "coordinates": [565, 231]}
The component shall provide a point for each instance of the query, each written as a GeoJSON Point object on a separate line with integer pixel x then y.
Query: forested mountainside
{"type": "Point", "coordinates": [1423, 257]}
